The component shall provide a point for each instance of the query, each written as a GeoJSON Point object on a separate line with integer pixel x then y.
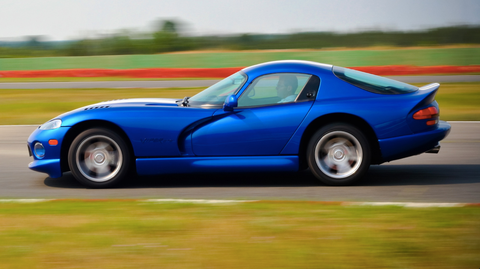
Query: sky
{"type": "Point", "coordinates": [73, 19]}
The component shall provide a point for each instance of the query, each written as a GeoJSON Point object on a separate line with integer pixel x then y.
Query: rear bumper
{"type": "Point", "coordinates": [408, 145]}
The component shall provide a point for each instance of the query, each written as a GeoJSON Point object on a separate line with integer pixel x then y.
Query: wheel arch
{"type": "Point", "coordinates": [78, 128]}
{"type": "Point", "coordinates": [353, 120]}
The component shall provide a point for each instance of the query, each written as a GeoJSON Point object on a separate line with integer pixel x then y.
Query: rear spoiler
{"type": "Point", "coordinates": [427, 94]}
{"type": "Point", "coordinates": [429, 87]}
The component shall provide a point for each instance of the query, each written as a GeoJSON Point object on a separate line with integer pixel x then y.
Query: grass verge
{"type": "Point", "coordinates": [128, 234]}
{"type": "Point", "coordinates": [35, 106]}
{"type": "Point", "coordinates": [458, 101]}
{"type": "Point", "coordinates": [426, 56]}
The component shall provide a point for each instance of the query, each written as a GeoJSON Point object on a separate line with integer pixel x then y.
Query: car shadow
{"type": "Point", "coordinates": [378, 175]}
{"type": "Point", "coordinates": [390, 175]}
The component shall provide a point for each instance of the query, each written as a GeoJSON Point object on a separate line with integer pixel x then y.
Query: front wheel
{"type": "Point", "coordinates": [99, 158]}
{"type": "Point", "coordinates": [338, 154]}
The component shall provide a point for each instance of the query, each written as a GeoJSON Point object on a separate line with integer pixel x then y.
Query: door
{"type": "Point", "coordinates": [268, 113]}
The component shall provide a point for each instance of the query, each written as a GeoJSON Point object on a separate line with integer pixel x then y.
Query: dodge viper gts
{"type": "Point", "coordinates": [280, 116]}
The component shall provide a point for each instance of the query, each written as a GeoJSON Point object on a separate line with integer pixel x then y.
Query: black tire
{"type": "Point", "coordinates": [339, 154]}
{"type": "Point", "coordinates": [99, 158]}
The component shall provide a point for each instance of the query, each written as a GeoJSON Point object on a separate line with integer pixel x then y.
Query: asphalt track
{"type": "Point", "coordinates": [197, 83]}
{"type": "Point", "coordinates": [452, 176]}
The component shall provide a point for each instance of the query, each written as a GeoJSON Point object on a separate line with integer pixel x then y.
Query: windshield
{"type": "Point", "coordinates": [373, 83]}
{"type": "Point", "coordinates": [215, 95]}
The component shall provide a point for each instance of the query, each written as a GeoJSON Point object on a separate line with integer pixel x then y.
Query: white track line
{"type": "Point", "coordinates": [406, 204]}
{"type": "Point", "coordinates": [24, 200]}
{"type": "Point", "coordinates": [198, 201]}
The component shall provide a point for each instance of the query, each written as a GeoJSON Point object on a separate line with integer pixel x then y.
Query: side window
{"type": "Point", "coordinates": [274, 89]}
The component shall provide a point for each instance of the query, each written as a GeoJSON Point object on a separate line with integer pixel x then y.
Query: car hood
{"type": "Point", "coordinates": [138, 101]}
{"type": "Point", "coordinates": [123, 103]}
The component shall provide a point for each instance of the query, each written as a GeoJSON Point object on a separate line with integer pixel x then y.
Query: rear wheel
{"type": "Point", "coordinates": [99, 158]}
{"type": "Point", "coordinates": [338, 154]}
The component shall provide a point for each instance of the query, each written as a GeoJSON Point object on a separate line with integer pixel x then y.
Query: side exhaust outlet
{"type": "Point", "coordinates": [435, 150]}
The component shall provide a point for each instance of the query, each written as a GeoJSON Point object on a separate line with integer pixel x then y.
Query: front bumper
{"type": "Point", "coordinates": [50, 163]}
{"type": "Point", "coordinates": [51, 167]}
{"type": "Point", "coordinates": [409, 145]}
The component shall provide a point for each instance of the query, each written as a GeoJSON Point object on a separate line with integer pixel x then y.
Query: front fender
{"type": "Point", "coordinates": [50, 163]}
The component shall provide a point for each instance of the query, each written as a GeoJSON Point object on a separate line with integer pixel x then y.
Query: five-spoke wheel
{"type": "Point", "coordinates": [338, 154]}
{"type": "Point", "coordinates": [98, 158]}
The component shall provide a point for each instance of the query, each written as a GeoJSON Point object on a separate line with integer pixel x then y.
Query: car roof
{"type": "Point", "coordinates": [288, 66]}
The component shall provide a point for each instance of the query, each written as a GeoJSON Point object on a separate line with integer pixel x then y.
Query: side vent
{"type": "Point", "coordinates": [96, 107]}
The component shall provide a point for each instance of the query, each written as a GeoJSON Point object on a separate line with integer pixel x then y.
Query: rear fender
{"type": "Point", "coordinates": [426, 98]}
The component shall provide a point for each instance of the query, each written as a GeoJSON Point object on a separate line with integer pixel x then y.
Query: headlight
{"type": "Point", "coordinates": [53, 124]}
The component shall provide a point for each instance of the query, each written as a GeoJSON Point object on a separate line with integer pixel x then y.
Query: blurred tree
{"type": "Point", "coordinates": [121, 43]}
{"type": "Point", "coordinates": [35, 42]}
{"type": "Point", "coordinates": [164, 41]}
{"type": "Point", "coordinates": [80, 48]}
{"type": "Point", "coordinates": [167, 38]}
{"type": "Point", "coordinates": [169, 26]}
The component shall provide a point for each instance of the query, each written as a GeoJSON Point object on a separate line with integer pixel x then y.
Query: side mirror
{"type": "Point", "coordinates": [230, 102]}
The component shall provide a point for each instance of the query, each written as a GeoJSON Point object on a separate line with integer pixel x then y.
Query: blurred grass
{"type": "Point", "coordinates": [127, 234]}
{"type": "Point", "coordinates": [215, 59]}
{"type": "Point", "coordinates": [35, 106]}
{"type": "Point", "coordinates": [458, 101]}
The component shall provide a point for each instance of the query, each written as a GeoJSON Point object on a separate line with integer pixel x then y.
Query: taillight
{"type": "Point", "coordinates": [426, 113]}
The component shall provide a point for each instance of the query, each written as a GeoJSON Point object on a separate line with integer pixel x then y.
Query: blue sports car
{"type": "Point", "coordinates": [276, 116]}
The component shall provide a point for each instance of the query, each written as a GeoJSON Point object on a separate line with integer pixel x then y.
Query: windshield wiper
{"type": "Point", "coordinates": [185, 101]}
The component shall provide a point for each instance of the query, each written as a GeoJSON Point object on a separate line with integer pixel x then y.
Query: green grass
{"type": "Point", "coordinates": [128, 234]}
{"type": "Point", "coordinates": [35, 106]}
{"type": "Point", "coordinates": [348, 58]}
{"type": "Point", "coordinates": [458, 101]}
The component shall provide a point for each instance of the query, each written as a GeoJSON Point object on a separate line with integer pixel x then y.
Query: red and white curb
{"type": "Point", "coordinates": [209, 201]}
